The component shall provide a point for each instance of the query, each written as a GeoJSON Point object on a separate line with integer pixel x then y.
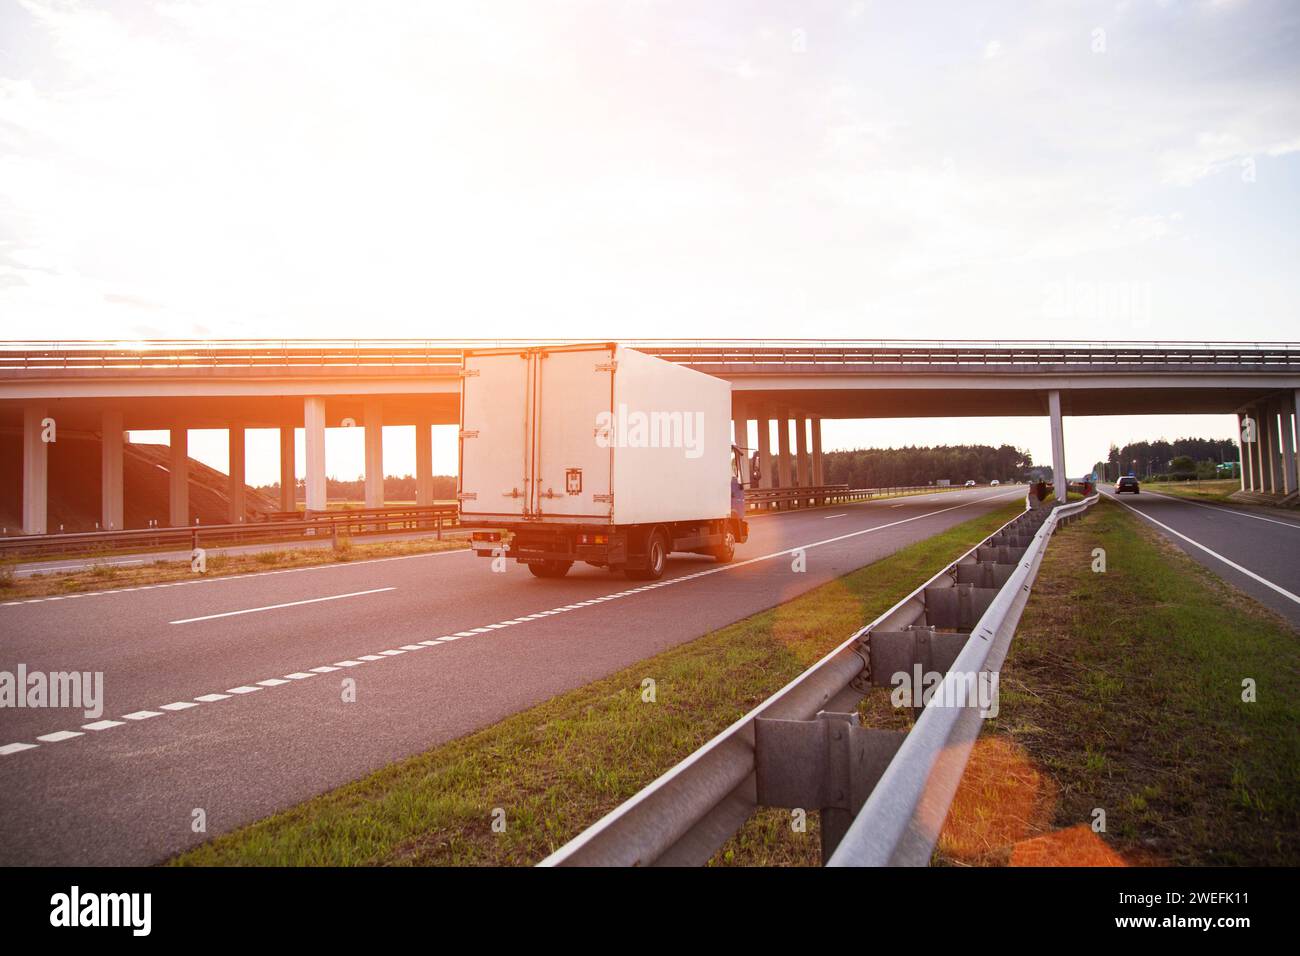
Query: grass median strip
{"type": "Point", "coordinates": [1122, 695]}
{"type": "Point", "coordinates": [1217, 490]}
{"type": "Point", "coordinates": [555, 768]}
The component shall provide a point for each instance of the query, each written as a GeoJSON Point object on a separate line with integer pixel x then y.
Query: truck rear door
{"type": "Point", "coordinates": [573, 466]}
{"type": "Point", "coordinates": [495, 433]}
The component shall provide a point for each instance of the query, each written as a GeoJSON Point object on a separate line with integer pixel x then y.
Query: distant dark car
{"type": "Point", "coordinates": [1127, 483]}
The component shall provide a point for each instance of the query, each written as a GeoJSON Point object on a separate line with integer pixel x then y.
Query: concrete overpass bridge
{"type": "Point", "coordinates": [106, 388]}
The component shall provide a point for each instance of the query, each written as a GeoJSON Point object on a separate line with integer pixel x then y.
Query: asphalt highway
{"type": "Point", "coordinates": [226, 694]}
{"type": "Point", "coordinates": [1256, 550]}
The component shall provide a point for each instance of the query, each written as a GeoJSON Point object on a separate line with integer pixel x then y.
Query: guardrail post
{"type": "Point", "coordinates": [829, 764]}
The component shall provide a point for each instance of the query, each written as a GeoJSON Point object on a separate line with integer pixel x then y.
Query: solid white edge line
{"type": "Point", "coordinates": [1224, 510]}
{"type": "Point", "coordinates": [1214, 554]}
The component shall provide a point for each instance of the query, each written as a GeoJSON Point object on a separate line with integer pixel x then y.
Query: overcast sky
{"type": "Point", "coordinates": [1054, 170]}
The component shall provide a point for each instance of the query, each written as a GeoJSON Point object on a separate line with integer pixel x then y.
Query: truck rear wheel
{"type": "Point", "coordinates": [656, 556]}
{"type": "Point", "coordinates": [725, 552]}
{"type": "Point", "coordinates": [549, 569]}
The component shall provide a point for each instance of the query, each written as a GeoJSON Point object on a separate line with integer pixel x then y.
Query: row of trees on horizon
{"type": "Point", "coordinates": [917, 465]}
{"type": "Point", "coordinates": [1180, 458]}
{"type": "Point", "coordinates": [913, 465]}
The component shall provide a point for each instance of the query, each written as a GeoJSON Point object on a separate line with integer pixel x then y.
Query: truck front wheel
{"type": "Point", "coordinates": [656, 558]}
{"type": "Point", "coordinates": [549, 569]}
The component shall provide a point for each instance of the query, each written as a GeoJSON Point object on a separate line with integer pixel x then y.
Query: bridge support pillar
{"type": "Point", "coordinates": [801, 452]}
{"type": "Point", "coordinates": [1243, 451]}
{"type": "Point", "coordinates": [1268, 447]}
{"type": "Point", "coordinates": [314, 447]}
{"type": "Point", "coordinates": [1281, 445]}
{"type": "Point", "coordinates": [374, 454]}
{"type": "Point", "coordinates": [1292, 406]}
{"type": "Point", "coordinates": [178, 482]}
{"type": "Point", "coordinates": [235, 486]}
{"type": "Point", "coordinates": [767, 478]}
{"type": "Point", "coordinates": [1059, 479]}
{"type": "Point", "coordinates": [1255, 448]}
{"type": "Point", "coordinates": [1288, 445]}
{"type": "Point", "coordinates": [424, 460]}
{"type": "Point", "coordinates": [818, 471]}
{"type": "Point", "coordinates": [783, 449]}
{"type": "Point", "coordinates": [36, 471]}
{"type": "Point", "coordinates": [288, 470]}
{"type": "Point", "coordinates": [112, 500]}
{"type": "Point", "coordinates": [739, 424]}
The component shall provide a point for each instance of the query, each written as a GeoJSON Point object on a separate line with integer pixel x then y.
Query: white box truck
{"type": "Point", "coordinates": [597, 453]}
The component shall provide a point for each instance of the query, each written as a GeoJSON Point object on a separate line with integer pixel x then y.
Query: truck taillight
{"type": "Point", "coordinates": [486, 536]}
{"type": "Point", "coordinates": [593, 539]}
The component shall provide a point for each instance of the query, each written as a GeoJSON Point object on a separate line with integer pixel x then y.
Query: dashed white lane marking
{"type": "Point", "coordinates": [333, 565]}
{"type": "Point", "coordinates": [491, 628]}
{"type": "Point", "coordinates": [1228, 511]}
{"type": "Point", "coordinates": [828, 517]}
{"type": "Point", "coordinates": [58, 735]}
{"type": "Point", "coordinates": [102, 725]}
{"type": "Point", "coordinates": [1214, 554]}
{"type": "Point", "coordinates": [276, 607]}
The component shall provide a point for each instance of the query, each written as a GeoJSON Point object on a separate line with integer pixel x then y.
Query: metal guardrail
{"type": "Point", "coordinates": [313, 527]}
{"type": "Point", "coordinates": [760, 498]}
{"type": "Point", "coordinates": [882, 794]}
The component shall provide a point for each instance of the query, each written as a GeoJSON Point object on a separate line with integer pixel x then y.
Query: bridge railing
{"type": "Point", "coordinates": [882, 794]}
{"type": "Point", "coordinates": [314, 526]}
{"type": "Point", "coordinates": [736, 354]}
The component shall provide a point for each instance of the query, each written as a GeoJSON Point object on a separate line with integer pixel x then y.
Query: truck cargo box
{"type": "Point", "coordinates": [591, 434]}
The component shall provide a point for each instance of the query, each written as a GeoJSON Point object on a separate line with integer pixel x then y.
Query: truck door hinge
{"type": "Point", "coordinates": [512, 493]}
{"type": "Point", "coordinates": [468, 372]}
{"type": "Point", "coordinates": [548, 493]}
{"type": "Point", "coordinates": [469, 433]}
{"type": "Point", "coordinates": [608, 499]}
{"type": "Point", "coordinates": [467, 496]}
{"type": "Point", "coordinates": [607, 367]}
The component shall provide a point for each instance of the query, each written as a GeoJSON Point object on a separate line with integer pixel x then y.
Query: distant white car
{"type": "Point", "coordinates": [971, 483]}
{"type": "Point", "coordinates": [995, 482]}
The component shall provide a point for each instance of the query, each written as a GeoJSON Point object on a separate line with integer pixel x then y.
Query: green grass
{"type": "Point", "coordinates": [98, 577]}
{"type": "Point", "coordinates": [557, 767]}
{"type": "Point", "coordinates": [1123, 691]}
{"type": "Point", "coordinates": [1215, 490]}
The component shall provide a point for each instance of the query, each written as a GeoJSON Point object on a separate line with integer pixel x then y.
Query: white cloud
{"type": "Point", "coordinates": [395, 169]}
